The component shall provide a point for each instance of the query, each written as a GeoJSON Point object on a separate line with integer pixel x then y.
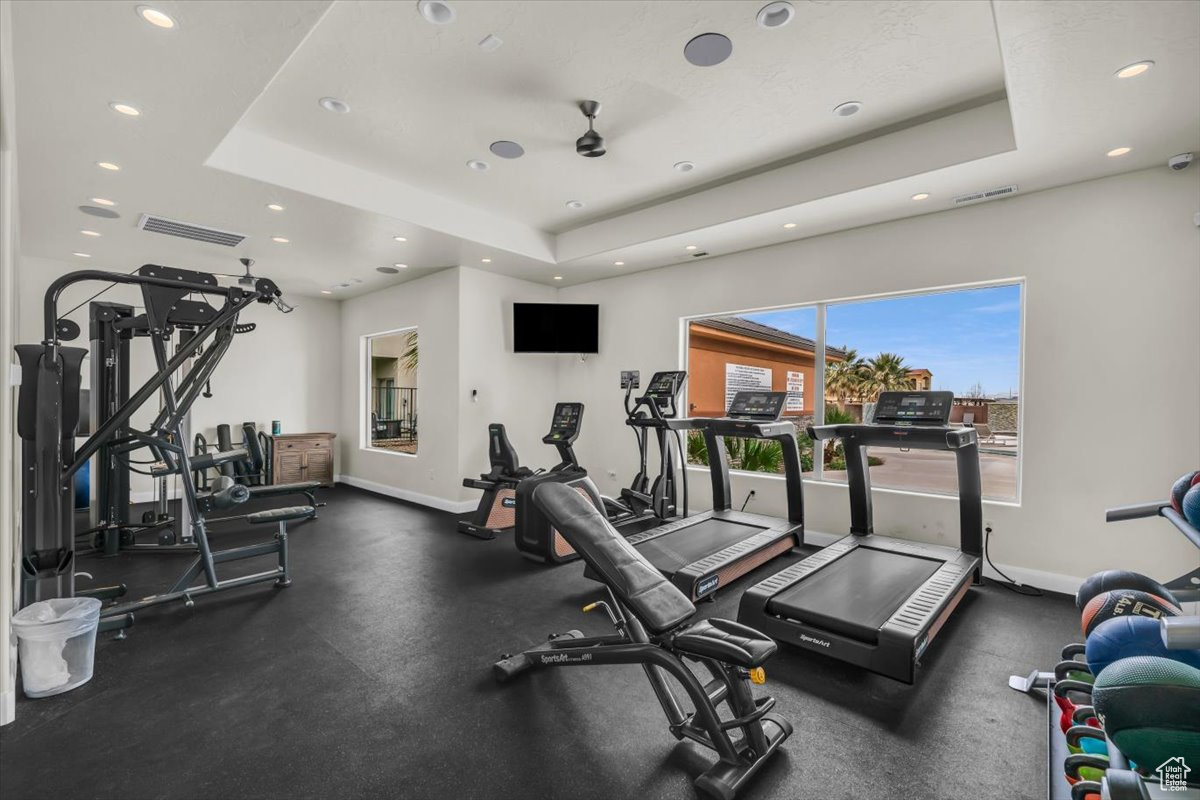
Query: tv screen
{"type": "Point", "coordinates": [556, 328]}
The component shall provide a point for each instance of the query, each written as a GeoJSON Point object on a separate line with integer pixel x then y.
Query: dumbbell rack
{"type": "Point", "coordinates": [1121, 784]}
{"type": "Point", "coordinates": [1186, 588]}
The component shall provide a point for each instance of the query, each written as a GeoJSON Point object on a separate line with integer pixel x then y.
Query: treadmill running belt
{"type": "Point", "coordinates": [855, 594]}
{"type": "Point", "coordinates": [674, 551]}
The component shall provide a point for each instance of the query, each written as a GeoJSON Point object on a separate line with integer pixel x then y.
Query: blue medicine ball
{"type": "Point", "coordinates": [1129, 636]}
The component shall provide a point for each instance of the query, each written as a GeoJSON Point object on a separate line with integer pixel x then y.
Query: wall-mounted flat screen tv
{"type": "Point", "coordinates": [556, 328]}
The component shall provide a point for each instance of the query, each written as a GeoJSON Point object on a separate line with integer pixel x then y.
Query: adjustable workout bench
{"type": "Point", "coordinates": [651, 617]}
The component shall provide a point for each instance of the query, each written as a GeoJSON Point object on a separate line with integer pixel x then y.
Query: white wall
{"type": "Point", "coordinates": [9, 517]}
{"type": "Point", "coordinates": [516, 389]}
{"type": "Point", "coordinates": [432, 475]}
{"type": "Point", "coordinates": [1110, 386]}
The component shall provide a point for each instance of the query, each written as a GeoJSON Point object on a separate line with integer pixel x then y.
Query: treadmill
{"type": "Point", "coordinates": [876, 601]}
{"type": "Point", "coordinates": [709, 550]}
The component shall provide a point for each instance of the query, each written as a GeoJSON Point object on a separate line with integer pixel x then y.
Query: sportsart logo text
{"type": "Point", "coordinates": [811, 640]}
{"type": "Point", "coordinates": [707, 585]}
{"type": "Point", "coordinates": [563, 658]}
{"type": "Point", "coordinates": [509, 502]}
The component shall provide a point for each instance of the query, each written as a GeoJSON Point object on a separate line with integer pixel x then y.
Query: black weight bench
{"type": "Point", "coordinates": [651, 617]}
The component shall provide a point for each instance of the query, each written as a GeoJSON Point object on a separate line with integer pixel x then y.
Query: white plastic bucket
{"type": "Point", "coordinates": [56, 644]}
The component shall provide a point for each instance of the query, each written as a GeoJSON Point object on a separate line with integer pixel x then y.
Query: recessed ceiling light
{"type": "Point", "coordinates": [334, 105]}
{"type": "Point", "coordinates": [400, 266]}
{"type": "Point", "coordinates": [683, 166]}
{"type": "Point", "coordinates": [506, 149]}
{"type": "Point", "coordinates": [82, 255]}
{"type": "Point", "coordinates": [103, 201]}
{"type": "Point", "coordinates": [1118, 151]}
{"type": "Point", "coordinates": [490, 43]}
{"type": "Point", "coordinates": [847, 109]}
{"type": "Point", "coordinates": [1133, 70]}
{"type": "Point", "coordinates": [775, 15]}
{"type": "Point", "coordinates": [97, 211]}
{"type": "Point", "coordinates": [155, 17]}
{"type": "Point", "coordinates": [558, 277]}
{"type": "Point", "coordinates": [708, 49]}
{"type": "Point", "coordinates": [90, 233]}
{"type": "Point", "coordinates": [691, 247]}
{"type": "Point", "coordinates": [574, 205]}
{"type": "Point", "coordinates": [486, 260]}
{"type": "Point", "coordinates": [789, 225]}
{"type": "Point", "coordinates": [280, 239]}
{"type": "Point", "coordinates": [399, 239]}
{"type": "Point", "coordinates": [274, 207]}
{"type": "Point", "coordinates": [126, 109]}
{"type": "Point", "coordinates": [108, 165]}
{"type": "Point", "coordinates": [436, 11]}
{"type": "Point", "coordinates": [478, 166]}
{"type": "Point", "coordinates": [921, 196]}
{"type": "Point", "coordinates": [387, 270]}
{"type": "Point", "coordinates": [327, 291]}
{"type": "Point", "coordinates": [618, 263]}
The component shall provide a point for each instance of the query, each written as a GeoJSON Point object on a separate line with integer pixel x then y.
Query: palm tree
{"type": "Point", "coordinates": [886, 372]}
{"type": "Point", "coordinates": [408, 359]}
{"type": "Point", "coordinates": [845, 378]}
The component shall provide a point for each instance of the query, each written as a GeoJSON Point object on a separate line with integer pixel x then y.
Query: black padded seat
{"type": "Point", "coordinates": [637, 584]}
{"type": "Point", "coordinates": [285, 514]}
{"type": "Point", "coordinates": [726, 641]}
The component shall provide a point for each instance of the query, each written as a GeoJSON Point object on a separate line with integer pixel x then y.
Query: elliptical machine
{"type": "Point", "coordinates": [647, 413]}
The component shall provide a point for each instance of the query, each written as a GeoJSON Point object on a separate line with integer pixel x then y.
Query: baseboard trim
{"type": "Point", "coordinates": [8, 706]}
{"type": "Point", "coordinates": [441, 504]}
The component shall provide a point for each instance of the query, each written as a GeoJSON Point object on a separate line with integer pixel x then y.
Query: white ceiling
{"type": "Point", "coordinates": [425, 99]}
{"type": "Point", "coordinates": [959, 96]}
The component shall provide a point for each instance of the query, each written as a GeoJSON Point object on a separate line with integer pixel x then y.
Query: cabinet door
{"type": "Point", "coordinates": [289, 466]}
{"type": "Point", "coordinates": [319, 465]}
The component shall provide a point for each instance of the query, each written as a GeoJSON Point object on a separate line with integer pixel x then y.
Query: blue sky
{"type": "Point", "coordinates": [963, 338]}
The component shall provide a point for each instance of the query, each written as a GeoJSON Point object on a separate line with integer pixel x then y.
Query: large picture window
{"type": "Point", "coordinates": [967, 341]}
{"type": "Point", "coordinates": [391, 391]}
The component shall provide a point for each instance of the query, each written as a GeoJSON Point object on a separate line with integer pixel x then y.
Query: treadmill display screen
{"type": "Point", "coordinates": [912, 401]}
{"type": "Point", "coordinates": [757, 405]}
{"type": "Point", "coordinates": [913, 408]}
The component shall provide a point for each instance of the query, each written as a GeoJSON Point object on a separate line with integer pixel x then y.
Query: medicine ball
{"type": "Point", "coordinates": [1127, 637]}
{"type": "Point", "coordinates": [1191, 506]}
{"type": "Point", "coordinates": [1148, 707]}
{"type": "Point", "coordinates": [1124, 603]}
{"type": "Point", "coordinates": [1111, 579]}
{"type": "Point", "coordinates": [1180, 488]}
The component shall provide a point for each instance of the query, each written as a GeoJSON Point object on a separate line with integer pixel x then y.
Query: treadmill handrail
{"type": "Point", "coordinates": [715, 430]}
{"type": "Point", "coordinates": [916, 437]}
{"type": "Point", "coordinates": [963, 442]}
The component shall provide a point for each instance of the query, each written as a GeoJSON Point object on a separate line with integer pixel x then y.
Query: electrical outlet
{"type": "Point", "coordinates": [987, 523]}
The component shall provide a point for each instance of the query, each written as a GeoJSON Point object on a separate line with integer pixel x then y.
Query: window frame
{"type": "Point", "coordinates": [817, 476]}
{"type": "Point", "coordinates": [365, 388]}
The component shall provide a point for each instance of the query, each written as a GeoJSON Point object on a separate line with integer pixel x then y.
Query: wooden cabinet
{"type": "Point", "coordinates": [299, 457]}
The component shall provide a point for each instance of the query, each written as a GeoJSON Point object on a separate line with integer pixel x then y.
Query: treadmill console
{"type": "Point", "coordinates": [564, 427]}
{"type": "Point", "coordinates": [914, 408]}
{"type": "Point", "coordinates": [760, 406]}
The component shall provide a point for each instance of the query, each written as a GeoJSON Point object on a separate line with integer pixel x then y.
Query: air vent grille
{"type": "Point", "coordinates": [186, 230]}
{"type": "Point", "coordinates": [989, 194]}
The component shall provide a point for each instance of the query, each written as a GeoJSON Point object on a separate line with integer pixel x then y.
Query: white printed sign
{"type": "Point", "coordinates": [744, 378]}
{"type": "Point", "coordinates": [795, 390]}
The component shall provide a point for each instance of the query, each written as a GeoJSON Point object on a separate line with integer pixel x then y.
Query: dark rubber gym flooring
{"type": "Point", "coordinates": [370, 677]}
